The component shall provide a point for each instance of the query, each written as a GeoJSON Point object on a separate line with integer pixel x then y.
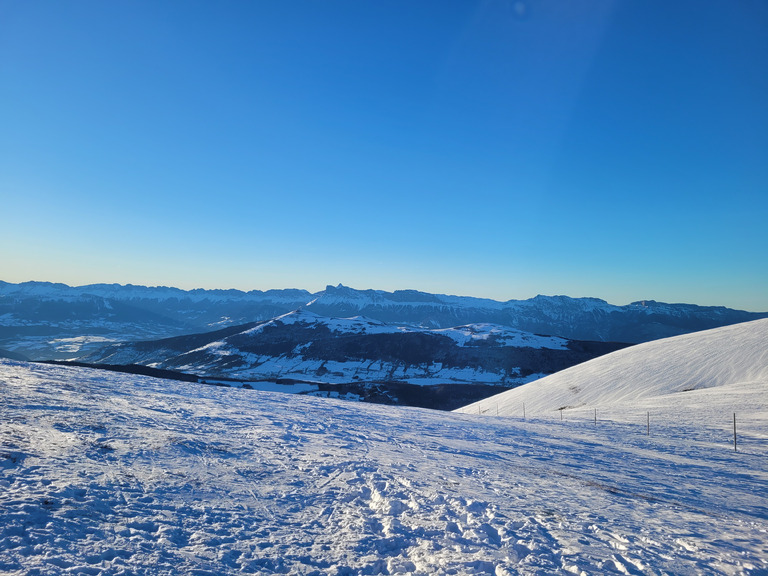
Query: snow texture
{"type": "Point", "coordinates": [105, 473]}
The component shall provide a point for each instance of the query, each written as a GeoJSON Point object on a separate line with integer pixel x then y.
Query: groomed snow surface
{"type": "Point", "coordinates": [104, 473]}
{"type": "Point", "coordinates": [700, 378]}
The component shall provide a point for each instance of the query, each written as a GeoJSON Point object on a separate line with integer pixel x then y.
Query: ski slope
{"type": "Point", "coordinates": [114, 474]}
{"type": "Point", "coordinates": [701, 378]}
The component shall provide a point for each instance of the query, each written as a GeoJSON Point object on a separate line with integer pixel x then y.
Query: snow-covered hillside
{"type": "Point", "coordinates": [111, 474]}
{"type": "Point", "coordinates": [371, 360]}
{"type": "Point", "coordinates": [719, 371]}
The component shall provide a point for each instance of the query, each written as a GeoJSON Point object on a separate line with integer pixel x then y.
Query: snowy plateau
{"type": "Point", "coordinates": [115, 474]}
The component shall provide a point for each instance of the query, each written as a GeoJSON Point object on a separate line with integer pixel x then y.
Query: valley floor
{"type": "Point", "coordinates": [104, 473]}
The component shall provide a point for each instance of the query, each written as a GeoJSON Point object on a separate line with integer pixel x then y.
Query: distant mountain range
{"type": "Point", "coordinates": [42, 320]}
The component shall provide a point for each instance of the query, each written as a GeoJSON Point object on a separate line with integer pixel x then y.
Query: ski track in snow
{"type": "Point", "coordinates": [104, 473]}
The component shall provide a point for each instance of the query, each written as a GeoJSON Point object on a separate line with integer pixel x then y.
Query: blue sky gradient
{"type": "Point", "coordinates": [493, 148]}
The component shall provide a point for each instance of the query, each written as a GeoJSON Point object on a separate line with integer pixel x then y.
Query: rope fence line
{"type": "Point", "coordinates": [495, 410]}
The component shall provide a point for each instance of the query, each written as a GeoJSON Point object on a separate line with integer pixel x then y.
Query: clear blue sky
{"type": "Point", "coordinates": [496, 148]}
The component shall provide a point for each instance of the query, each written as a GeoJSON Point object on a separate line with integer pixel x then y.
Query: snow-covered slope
{"type": "Point", "coordinates": [113, 474]}
{"type": "Point", "coordinates": [724, 365]}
